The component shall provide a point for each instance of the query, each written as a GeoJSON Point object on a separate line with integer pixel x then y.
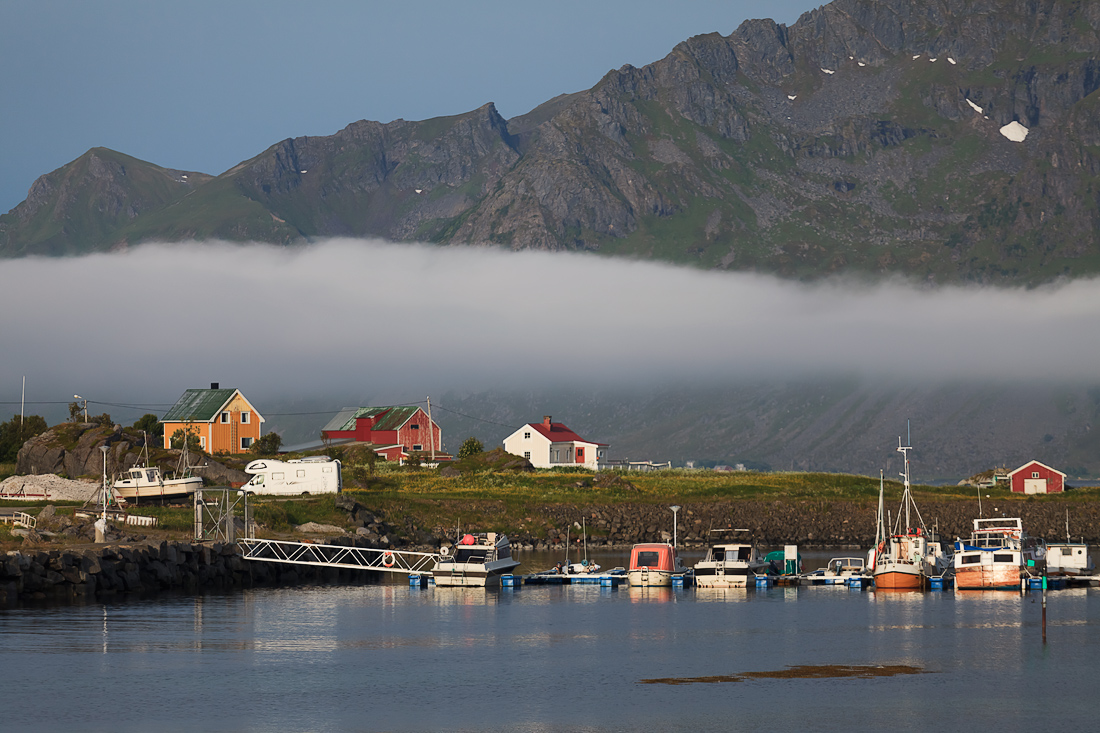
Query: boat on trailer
{"type": "Point", "coordinates": [998, 555]}
{"type": "Point", "coordinates": [476, 560]}
{"type": "Point", "coordinates": [729, 564]}
{"type": "Point", "coordinates": [144, 481]}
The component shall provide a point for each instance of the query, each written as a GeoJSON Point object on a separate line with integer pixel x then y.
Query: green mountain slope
{"type": "Point", "coordinates": [865, 138]}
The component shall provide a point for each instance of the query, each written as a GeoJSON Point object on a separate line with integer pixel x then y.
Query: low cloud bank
{"type": "Point", "coordinates": [352, 317]}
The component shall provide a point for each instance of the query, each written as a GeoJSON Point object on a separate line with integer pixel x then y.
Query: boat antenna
{"type": "Point", "coordinates": [584, 533]}
{"type": "Point", "coordinates": [979, 502]}
{"type": "Point", "coordinates": [567, 528]}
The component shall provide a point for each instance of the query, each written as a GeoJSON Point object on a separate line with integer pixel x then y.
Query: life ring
{"type": "Point", "coordinates": [387, 559]}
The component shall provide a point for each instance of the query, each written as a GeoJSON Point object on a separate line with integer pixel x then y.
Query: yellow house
{"type": "Point", "coordinates": [222, 418]}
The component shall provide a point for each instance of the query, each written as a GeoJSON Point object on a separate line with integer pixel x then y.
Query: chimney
{"type": "Point", "coordinates": [546, 420]}
{"type": "Point", "coordinates": [213, 385]}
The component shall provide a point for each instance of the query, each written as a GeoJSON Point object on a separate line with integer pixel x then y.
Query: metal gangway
{"type": "Point", "coordinates": [338, 556]}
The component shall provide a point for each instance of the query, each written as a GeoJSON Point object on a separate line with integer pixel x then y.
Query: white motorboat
{"type": "Point", "coordinates": [729, 564]}
{"type": "Point", "coordinates": [476, 560]}
{"type": "Point", "coordinates": [1070, 560]}
{"type": "Point", "coordinates": [838, 571]}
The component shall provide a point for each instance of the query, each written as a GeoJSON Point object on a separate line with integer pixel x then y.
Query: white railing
{"type": "Point", "coordinates": [337, 556]}
{"type": "Point", "coordinates": [19, 519]}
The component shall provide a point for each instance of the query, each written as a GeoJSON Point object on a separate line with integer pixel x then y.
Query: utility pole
{"type": "Point", "coordinates": [431, 428]}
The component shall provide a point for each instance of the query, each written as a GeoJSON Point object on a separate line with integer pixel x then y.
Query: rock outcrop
{"type": "Point", "coordinates": [73, 450]}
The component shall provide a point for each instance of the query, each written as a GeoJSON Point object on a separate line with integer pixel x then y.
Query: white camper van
{"type": "Point", "coordinates": [312, 475]}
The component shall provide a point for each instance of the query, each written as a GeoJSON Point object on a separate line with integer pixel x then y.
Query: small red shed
{"type": "Point", "coordinates": [1037, 478]}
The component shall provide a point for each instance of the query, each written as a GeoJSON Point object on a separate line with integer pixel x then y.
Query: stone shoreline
{"type": "Point", "coordinates": [98, 571]}
{"type": "Point", "coordinates": [103, 571]}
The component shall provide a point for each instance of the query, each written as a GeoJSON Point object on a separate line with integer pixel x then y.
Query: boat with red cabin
{"type": "Point", "coordinates": [654, 564]}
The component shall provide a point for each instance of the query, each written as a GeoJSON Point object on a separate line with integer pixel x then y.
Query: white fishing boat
{"type": "Point", "coordinates": [147, 482]}
{"type": "Point", "coordinates": [475, 560]}
{"type": "Point", "coordinates": [729, 564]}
{"type": "Point", "coordinates": [907, 556]}
{"type": "Point", "coordinates": [998, 555]}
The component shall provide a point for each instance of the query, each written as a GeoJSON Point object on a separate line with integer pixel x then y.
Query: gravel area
{"type": "Point", "coordinates": [54, 487]}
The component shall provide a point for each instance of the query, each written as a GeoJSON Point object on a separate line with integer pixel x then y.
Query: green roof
{"type": "Point", "coordinates": [394, 418]}
{"type": "Point", "coordinates": [199, 405]}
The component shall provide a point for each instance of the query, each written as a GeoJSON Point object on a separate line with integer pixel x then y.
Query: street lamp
{"type": "Point", "coordinates": [674, 509]}
{"type": "Point", "coordinates": [101, 525]}
{"type": "Point", "coordinates": [85, 410]}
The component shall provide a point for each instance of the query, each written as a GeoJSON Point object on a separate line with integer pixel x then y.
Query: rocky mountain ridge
{"type": "Point", "coordinates": [864, 138]}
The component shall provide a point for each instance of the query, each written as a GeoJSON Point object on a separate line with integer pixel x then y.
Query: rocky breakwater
{"type": "Point", "coordinates": [810, 523]}
{"type": "Point", "coordinates": [98, 571]}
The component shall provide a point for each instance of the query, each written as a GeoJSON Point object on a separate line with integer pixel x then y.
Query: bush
{"type": "Point", "coordinates": [267, 445]}
{"type": "Point", "coordinates": [470, 447]}
{"type": "Point", "coordinates": [151, 425]}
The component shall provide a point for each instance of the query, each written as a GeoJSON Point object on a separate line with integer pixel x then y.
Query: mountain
{"type": "Point", "coordinates": [835, 425]}
{"type": "Point", "coordinates": [869, 137]}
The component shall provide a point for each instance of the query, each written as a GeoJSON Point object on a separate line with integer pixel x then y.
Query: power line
{"type": "Point", "coordinates": [479, 419]}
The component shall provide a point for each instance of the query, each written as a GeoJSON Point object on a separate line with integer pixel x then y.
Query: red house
{"type": "Point", "coordinates": [1037, 478]}
{"type": "Point", "coordinates": [393, 432]}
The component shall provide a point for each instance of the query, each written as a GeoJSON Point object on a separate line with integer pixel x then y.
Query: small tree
{"type": "Point", "coordinates": [267, 445]}
{"type": "Point", "coordinates": [14, 433]}
{"type": "Point", "coordinates": [74, 411]}
{"type": "Point", "coordinates": [151, 425]}
{"type": "Point", "coordinates": [470, 447]}
{"type": "Point", "coordinates": [180, 435]}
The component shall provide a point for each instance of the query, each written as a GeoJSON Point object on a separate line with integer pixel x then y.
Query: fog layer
{"type": "Point", "coordinates": [351, 318]}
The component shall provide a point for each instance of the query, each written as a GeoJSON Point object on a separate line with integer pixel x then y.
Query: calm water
{"type": "Point", "coordinates": [546, 658]}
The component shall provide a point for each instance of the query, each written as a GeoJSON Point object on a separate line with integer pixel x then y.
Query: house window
{"type": "Point", "coordinates": [244, 418]}
{"type": "Point", "coordinates": [1034, 474]}
{"type": "Point", "coordinates": [527, 436]}
{"type": "Point", "coordinates": [246, 443]}
{"type": "Point", "coordinates": [414, 426]}
{"type": "Point", "coordinates": [527, 454]}
{"type": "Point", "coordinates": [418, 447]}
{"type": "Point", "coordinates": [202, 442]}
{"type": "Point", "coordinates": [225, 417]}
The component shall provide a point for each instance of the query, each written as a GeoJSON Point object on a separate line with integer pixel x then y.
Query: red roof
{"type": "Point", "coordinates": [556, 432]}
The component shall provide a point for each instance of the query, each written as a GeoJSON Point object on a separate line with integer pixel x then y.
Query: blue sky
{"type": "Point", "coordinates": [202, 85]}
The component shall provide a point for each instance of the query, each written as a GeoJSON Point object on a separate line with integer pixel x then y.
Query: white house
{"type": "Point", "coordinates": [550, 445]}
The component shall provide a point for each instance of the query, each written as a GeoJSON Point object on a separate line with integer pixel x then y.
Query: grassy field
{"type": "Point", "coordinates": [413, 500]}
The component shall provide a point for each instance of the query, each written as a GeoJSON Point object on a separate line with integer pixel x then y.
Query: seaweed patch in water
{"type": "Point", "coordinates": [804, 672]}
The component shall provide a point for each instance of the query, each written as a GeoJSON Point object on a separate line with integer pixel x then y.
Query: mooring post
{"type": "Point", "coordinates": [1044, 610]}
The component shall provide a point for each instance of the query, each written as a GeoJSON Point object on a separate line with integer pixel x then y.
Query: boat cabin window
{"type": "Point", "coordinates": [135, 474]}
{"type": "Point", "coordinates": [650, 559]}
{"type": "Point", "coordinates": [743, 553]}
{"type": "Point", "coordinates": [470, 554]}
{"type": "Point", "coordinates": [998, 557]}
{"type": "Point", "coordinates": [971, 559]}
{"type": "Point", "coordinates": [719, 555]}
{"type": "Point", "coordinates": [1067, 551]}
